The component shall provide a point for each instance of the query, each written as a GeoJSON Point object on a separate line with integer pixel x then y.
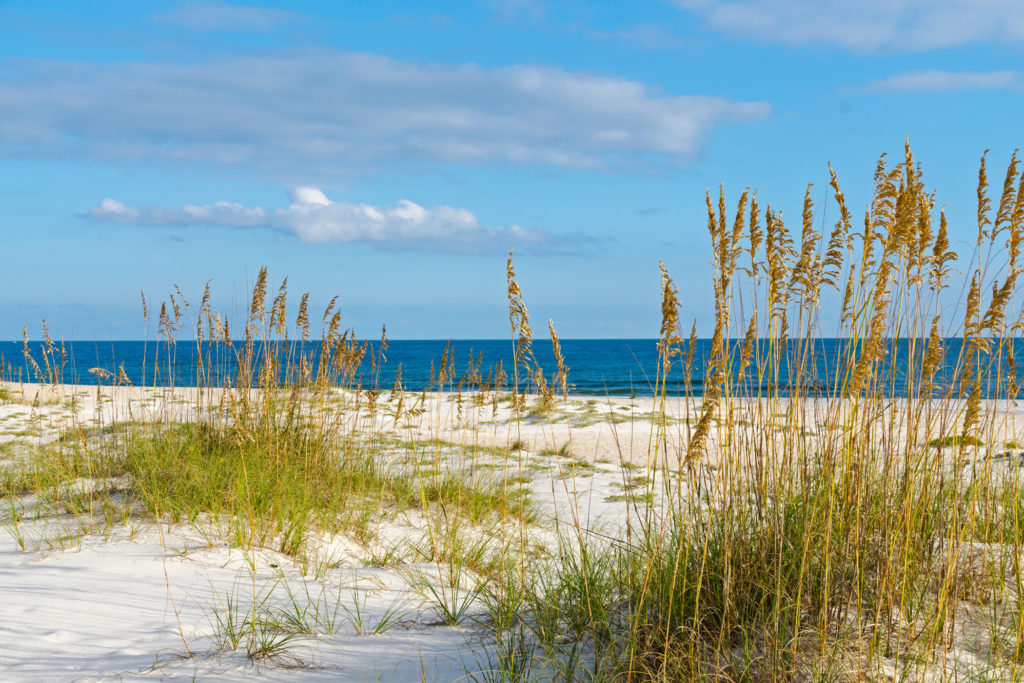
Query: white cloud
{"type": "Point", "coordinates": [944, 81]}
{"type": "Point", "coordinates": [218, 16]}
{"type": "Point", "coordinates": [330, 109]}
{"type": "Point", "coordinates": [866, 25]}
{"type": "Point", "coordinates": [312, 217]}
{"type": "Point", "coordinates": [218, 213]}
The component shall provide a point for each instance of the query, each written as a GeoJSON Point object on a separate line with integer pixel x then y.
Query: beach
{"type": "Point", "coordinates": [96, 592]}
{"type": "Point", "coordinates": [89, 600]}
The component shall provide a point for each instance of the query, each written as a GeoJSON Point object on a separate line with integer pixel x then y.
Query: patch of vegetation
{"type": "Point", "coordinates": [955, 440]}
{"type": "Point", "coordinates": [271, 487]}
{"type": "Point", "coordinates": [639, 498]}
{"type": "Point", "coordinates": [844, 557]}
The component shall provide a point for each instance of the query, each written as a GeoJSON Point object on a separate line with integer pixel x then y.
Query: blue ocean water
{"type": "Point", "coordinates": [597, 366]}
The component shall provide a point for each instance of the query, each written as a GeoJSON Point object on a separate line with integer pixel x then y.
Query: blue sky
{"type": "Point", "coordinates": [391, 152]}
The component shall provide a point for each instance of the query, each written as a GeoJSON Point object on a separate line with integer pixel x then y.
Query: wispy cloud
{"type": "Point", "coordinates": [945, 81]}
{"type": "Point", "coordinates": [327, 108]}
{"type": "Point", "coordinates": [866, 25]}
{"type": "Point", "coordinates": [219, 16]}
{"type": "Point", "coordinates": [646, 36]}
{"type": "Point", "coordinates": [312, 217]}
{"type": "Point", "coordinates": [511, 10]}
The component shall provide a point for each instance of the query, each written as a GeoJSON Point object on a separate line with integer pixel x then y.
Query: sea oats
{"type": "Point", "coordinates": [984, 204]}
{"type": "Point", "coordinates": [562, 370]}
{"type": "Point", "coordinates": [302, 319]}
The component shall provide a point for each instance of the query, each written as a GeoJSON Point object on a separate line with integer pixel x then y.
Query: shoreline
{"type": "Point", "coordinates": [610, 429]}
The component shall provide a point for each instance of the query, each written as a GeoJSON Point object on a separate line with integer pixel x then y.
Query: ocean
{"type": "Point", "coordinates": [615, 367]}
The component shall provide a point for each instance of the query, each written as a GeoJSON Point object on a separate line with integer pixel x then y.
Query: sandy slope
{"type": "Point", "coordinates": [100, 604]}
{"type": "Point", "coordinates": [124, 603]}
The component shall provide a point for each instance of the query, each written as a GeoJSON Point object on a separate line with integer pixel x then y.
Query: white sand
{"type": "Point", "coordinates": [99, 606]}
{"type": "Point", "coordinates": [124, 603]}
